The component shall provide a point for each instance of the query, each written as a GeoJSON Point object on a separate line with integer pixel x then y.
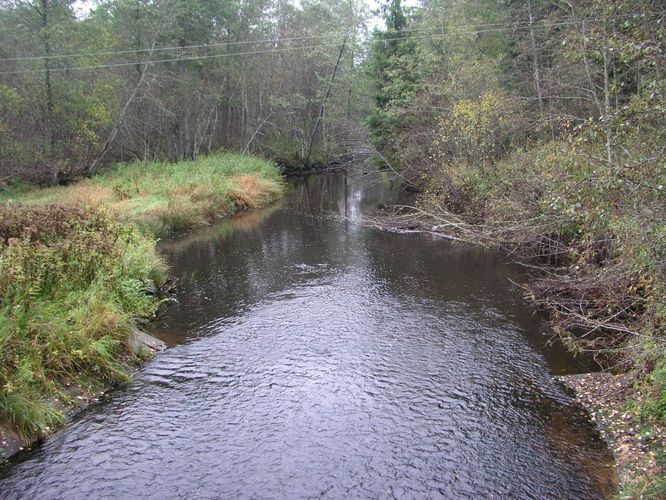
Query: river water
{"type": "Point", "coordinates": [312, 357]}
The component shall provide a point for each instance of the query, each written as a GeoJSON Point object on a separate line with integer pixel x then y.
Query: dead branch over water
{"type": "Point", "coordinates": [596, 303]}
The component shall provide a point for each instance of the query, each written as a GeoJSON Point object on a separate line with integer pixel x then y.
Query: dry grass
{"type": "Point", "coordinates": [252, 191]}
{"type": "Point", "coordinates": [164, 198]}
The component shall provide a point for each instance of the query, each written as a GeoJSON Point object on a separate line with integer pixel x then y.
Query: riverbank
{"type": "Point", "coordinates": [79, 272]}
{"type": "Point", "coordinates": [638, 444]}
{"type": "Point", "coordinates": [625, 407]}
{"type": "Point", "coordinates": [165, 198]}
{"type": "Point", "coordinates": [593, 244]}
{"type": "Point", "coordinates": [570, 180]}
{"type": "Point", "coordinates": [12, 442]}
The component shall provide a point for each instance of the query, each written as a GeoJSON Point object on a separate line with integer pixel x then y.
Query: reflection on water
{"type": "Point", "coordinates": [314, 357]}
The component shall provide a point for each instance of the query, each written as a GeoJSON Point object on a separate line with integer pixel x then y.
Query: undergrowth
{"type": "Point", "coordinates": [72, 282]}
{"type": "Point", "coordinates": [595, 230]}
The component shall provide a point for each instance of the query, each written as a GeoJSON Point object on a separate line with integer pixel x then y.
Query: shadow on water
{"type": "Point", "coordinates": [312, 357]}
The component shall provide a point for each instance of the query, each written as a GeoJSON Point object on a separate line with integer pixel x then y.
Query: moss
{"type": "Point", "coordinates": [655, 406]}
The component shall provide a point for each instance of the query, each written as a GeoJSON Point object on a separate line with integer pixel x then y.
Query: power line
{"type": "Point", "coordinates": [278, 40]}
{"type": "Point", "coordinates": [162, 49]}
{"type": "Point", "coordinates": [274, 50]}
{"type": "Point", "coordinates": [189, 47]}
{"type": "Point", "coordinates": [177, 59]}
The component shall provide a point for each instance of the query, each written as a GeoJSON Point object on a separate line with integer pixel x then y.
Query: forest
{"type": "Point", "coordinates": [547, 138]}
{"type": "Point", "coordinates": [535, 126]}
{"type": "Point", "coordinates": [174, 80]}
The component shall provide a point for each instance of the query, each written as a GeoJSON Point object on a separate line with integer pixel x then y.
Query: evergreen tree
{"type": "Point", "coordinates": [396, 69]}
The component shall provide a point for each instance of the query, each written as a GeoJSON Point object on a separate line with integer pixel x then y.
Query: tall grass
{"type": "Point", "coordinates": [78, 264]}
{"type": "Point", "coordinates": [164, 198]}
{"type": "Point", "coordinates": [71, 283]}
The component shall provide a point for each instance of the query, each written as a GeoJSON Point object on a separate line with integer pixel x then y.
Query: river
{"type": "Point", "coordinates": [312, 357]}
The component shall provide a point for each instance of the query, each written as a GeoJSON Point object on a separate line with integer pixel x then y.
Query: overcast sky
{"type": "Point", "coordinates": [83, 7]}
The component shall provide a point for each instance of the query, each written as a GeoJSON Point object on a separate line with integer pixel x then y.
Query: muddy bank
{"type": "Point", "coordinates": [143, 346]}
{"type": "Point", "coordinates": [638, 445]}
{"type": "Point", "coordinates": [291, 168]}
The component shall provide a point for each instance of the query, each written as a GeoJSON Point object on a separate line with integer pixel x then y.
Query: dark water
{"type": "Point", "coordinates": [312, 357]}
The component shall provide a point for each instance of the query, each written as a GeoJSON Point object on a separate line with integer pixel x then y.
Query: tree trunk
{"type": "Point", "coordinates": [48, 87]}
{"type": "Point", "coordinates": [588, 73]}
{"type": "Point", "coordinates": [607, 108]}
{"type": "Point", "coordinates": [306, 159]}
{"type": "Point", "coordinates": [535, 68]}
{"type": "Point", "coordinates": [119, 120]}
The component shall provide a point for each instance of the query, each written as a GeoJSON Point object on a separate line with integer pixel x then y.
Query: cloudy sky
{"type": "Point", "coordinates": [83, 7]}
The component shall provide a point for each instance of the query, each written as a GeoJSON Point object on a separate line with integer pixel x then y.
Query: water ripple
{"type": "Point", "coordinates": [315, 360]}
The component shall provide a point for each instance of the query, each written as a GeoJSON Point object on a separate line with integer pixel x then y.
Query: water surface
{"type": "Point", "coordinates": [313, 357]}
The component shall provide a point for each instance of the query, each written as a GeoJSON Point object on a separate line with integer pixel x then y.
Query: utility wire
{"type": "Point", "coordinates": [274, 50]}
{"type": "Point", "coordinates": [164, 49]}
{"type": "Point", "coordinates": [288, 39]}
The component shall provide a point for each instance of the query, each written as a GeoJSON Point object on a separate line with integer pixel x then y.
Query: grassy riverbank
{"type": "Point", "coordinates": [79, 269]}
{"type": "Point", "coordinates": [164, 198]}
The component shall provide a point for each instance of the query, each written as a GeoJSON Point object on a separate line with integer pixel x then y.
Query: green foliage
{"type": "Point", "coordinates": [417, 78]}
{"type": "Point", "coordinates": [74, 279]}
{"type": "Point", "coordinates": [29, 413]}
{"type": "Point", "coordinates": [477, 131]}
{"type": "Point", "coordinates": [397, 69]}
{"type": "Point", "coordinates": [71, 113]}
{"type": "Point", "coordinates": [71, 281]}
{"type": "Point", "coordinates": [394, 16]}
